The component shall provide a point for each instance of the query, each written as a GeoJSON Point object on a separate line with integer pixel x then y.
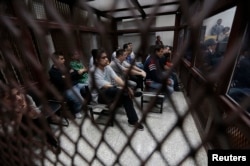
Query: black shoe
{"type": "Point", "coordinates": [137, 94]}
{"type": "Point", "coordinates": [137, 125]}
{"type": "Point", "coordinates": [105, 112]}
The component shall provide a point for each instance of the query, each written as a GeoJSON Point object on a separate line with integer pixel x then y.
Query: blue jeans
{"type": "Point", "coordinates": [75, 98]}
{"type": "Point", "coordinates": [157, 85]}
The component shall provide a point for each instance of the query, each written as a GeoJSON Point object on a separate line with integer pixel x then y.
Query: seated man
{"type": "Point", "coordinates": [21, 113]}
{"type": "Point", "coordinates": [102, 77]}
{"type": "Point", "coordinates": [211, 56]}
{"type": "Point", "coordinates": [166, 64]}
{"type": "Point", "coordinates": [131, 59]}
{"type": "Point", "coordinates": [77, 65]}
{"type": "Point", "coordinates": [121, 69]}
{"type": "Point", "coordinates": [61, 80]}
{"type": "Point", "coordinates": [155, 74]}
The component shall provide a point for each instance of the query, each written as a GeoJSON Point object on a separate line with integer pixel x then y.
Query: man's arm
{"type": "Point", "coordinates": [135, 70]}
{"type": "Point", "coordinates": [119, 81]}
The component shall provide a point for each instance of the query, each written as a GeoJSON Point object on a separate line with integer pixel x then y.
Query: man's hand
{"type": "Point", "coordinates": [81, 71]}
{"type": "Point", "coordinates": [130, 93]}
{"type": "Point", "coordinates": [143, 74]}
{"type": "Point", "coordinates": [169, 82]}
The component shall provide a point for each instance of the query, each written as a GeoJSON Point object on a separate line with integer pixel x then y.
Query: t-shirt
{"type": "Point", "coordinates": [118, 68]}
{"type": "Point", "coordinates": [77, 65]}
{"type": "Point", "coordinates": [130, 57]}
{"type": "Point", "coordinates": [102, 77]}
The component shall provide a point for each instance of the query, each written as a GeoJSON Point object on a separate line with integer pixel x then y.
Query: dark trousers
{"type": "Point", "coordinates": [138, 79]}
{"type": "Point", "coordinates": [108, 95]}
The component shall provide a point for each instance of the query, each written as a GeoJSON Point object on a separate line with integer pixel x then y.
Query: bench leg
{"type": "Point", "coordinates": [91, 113]}
{"type": "Point", "coordinates": [161, 105]}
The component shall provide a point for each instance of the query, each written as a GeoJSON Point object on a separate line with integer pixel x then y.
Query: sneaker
{"type": "Point", "coordinates": [78, 115]}
{"type": "Point", "coordinates": [105, 112]}
{"type": "Point", "coordinates": [137, 94]}
{"type": "Point", "coordinates": [138, 125]}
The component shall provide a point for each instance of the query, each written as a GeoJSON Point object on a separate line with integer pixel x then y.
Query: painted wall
{"type": "Point", "coordinates": [160, 21]}
{"type": "Point", "coordinates": [167, 37]}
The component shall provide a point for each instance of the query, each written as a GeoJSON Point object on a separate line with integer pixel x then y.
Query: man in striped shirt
{"type": "Point", "coordinates": [156, 77]}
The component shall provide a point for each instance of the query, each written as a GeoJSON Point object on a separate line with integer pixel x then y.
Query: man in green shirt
{"type": "Point", "coordinates": [77, 65]}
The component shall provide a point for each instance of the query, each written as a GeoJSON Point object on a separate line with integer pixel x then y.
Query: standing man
{"type": "Point", "coordinates": [217, 28]}
{"type": "Point", "coordinates": [61, 79]}
{"type": "Point", "coordinates": [158, 41]}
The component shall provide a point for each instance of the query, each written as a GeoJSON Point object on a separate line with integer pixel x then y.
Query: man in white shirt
{"type": "Point", "coordinates": [101, 79]}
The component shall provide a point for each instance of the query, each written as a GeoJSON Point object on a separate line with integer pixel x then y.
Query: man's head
{"type": "Point", "coordinates": [226, 30]}
{"type": "Point", "coordinates": [100, 58]}
{"type": "Point", "coordinates": [158, 50]}
{"type": "Point", "coordinates": [59, 58]}
{"type": "Point", "coordinates": [130, 45]}
{"type": "Point", "coordinates": [158, 37]}
{"type": "Point", "coordinates": [219, 21]}
{"type": "Point", "coordinates": [211, 44]}
{"type": "Point", "coordinates": [166, 50]}
{"type": "Point", "coordinates": [127, 48]}
{"type": "Point", "coordinates": [121, 54]}
{"type": "Point", "coordinates": [75, 55]}
{"type": "Point", "coordinates": [12, 98]}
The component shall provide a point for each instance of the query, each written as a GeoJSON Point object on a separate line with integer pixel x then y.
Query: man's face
{"type": "Point", "coordinates": [219, 21]}
{"type": "Point", "coordinates": [160, 53]}
{"type": "Point", "coordinates": [61, 59]}
{"type": "Point", "coordinates": [103, 61]}
{"type": "Point", "coordinates": [166, 50]}
{"type": "Point", "coordinates": [15, 100]}
{"type": "Point", "coordinates": [76, 55]}
{"type": "Point", "coordinates": [124, 56]}
{"type": "Point", "coordinates": [213, 47]}
{"type": "Point", "coordinates": [130, 46]}
{"type": "Point", "coordinates": [19, 98]}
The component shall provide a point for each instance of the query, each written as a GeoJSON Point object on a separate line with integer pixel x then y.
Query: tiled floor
{"type": "Point", "coordinates": [140, 147]}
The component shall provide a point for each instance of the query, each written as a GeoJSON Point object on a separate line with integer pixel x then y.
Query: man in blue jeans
{"type": "Point", "coordinates": [155, 77]}
{"type": "Point", "coordinates": [63, 81]}
{"type": "Point", "coordinates": [102, 78]}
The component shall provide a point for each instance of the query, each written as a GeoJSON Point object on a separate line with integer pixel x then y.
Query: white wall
{"type": "Point", "coordinates": [134, 38]}
{"type": "Point", "coordinates": [167, 37]}
{"type": "Point", "coordinates": [51, 48]}
{"type": "Point", "coordinates": [160, 21]}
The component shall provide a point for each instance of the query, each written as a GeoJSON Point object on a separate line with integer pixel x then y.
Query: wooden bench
{"type": "Point", "coordinates": [105, 115]}
{"type": "Point", "coordinates": [148, 94]}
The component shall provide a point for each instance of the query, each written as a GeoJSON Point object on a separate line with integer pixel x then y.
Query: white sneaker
{"type": "Point", "coordinates": [78, 115]}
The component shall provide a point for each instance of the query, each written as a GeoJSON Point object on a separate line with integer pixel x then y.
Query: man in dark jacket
{"type": "Point", "coordinates": [63, 81]}
{"type": "Point", "coordinates": [155, 74]}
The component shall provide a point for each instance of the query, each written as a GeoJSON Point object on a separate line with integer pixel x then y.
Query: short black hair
{"type": "Point", "coordinates": [158, 48]}
{"type": "Point", "coordinates": [56, 54]}
{"type": "Point", "coordinates": [125, 46]}
{"type": "Point", "coordinates": [210, 42]}
{"type": "Point", "coordinates": [97, 55]}
{"type": "Point", "coordinates": [119, 52]}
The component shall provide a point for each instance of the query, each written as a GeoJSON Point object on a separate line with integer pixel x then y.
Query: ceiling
{"type": "Point", "coordinates": [127, 9]}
